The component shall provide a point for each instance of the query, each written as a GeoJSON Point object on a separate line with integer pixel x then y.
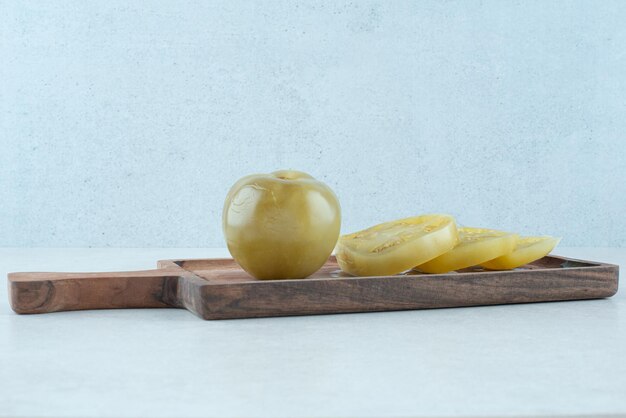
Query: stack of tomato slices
{"type": "Point", "coordinates": [434, 244]}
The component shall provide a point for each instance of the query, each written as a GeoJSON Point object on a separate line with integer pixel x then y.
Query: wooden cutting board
{"type": "Point", "coordinates": [220, 289]}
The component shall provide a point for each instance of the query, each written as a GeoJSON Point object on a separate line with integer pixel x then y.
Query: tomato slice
{"type": "Point", "coordinates": [476, 245]}
{"type": "Point", "coordinates": [527, 250]}
{"type": "Point", "coordinates": [396, 246]}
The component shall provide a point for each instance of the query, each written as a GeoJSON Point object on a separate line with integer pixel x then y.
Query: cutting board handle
{"type": "Point", "coordinates": [52, 292]}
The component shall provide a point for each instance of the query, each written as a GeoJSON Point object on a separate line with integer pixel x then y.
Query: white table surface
{"type": "Point", "coordinates": [566, 358]}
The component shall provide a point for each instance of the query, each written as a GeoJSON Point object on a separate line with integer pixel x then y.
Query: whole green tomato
{"type": "Point", "coordinates": [282, 225]}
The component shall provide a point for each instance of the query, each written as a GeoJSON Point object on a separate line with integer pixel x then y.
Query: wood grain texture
{"type": "Point", "coordinates": [220, 289]}
{"type": "Point", "coordinates": [52, 292]}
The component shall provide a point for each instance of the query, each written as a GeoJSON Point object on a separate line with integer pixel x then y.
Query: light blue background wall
{"type": "Point", "coordinates": [123, 123]}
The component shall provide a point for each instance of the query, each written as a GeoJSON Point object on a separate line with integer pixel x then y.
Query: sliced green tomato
{"type": "Point", "coordinates": [476, 245]}
{"type": "Point", "coordinates": [397, 246]}
{"type": "Point", "coordinates": [527, 250]}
